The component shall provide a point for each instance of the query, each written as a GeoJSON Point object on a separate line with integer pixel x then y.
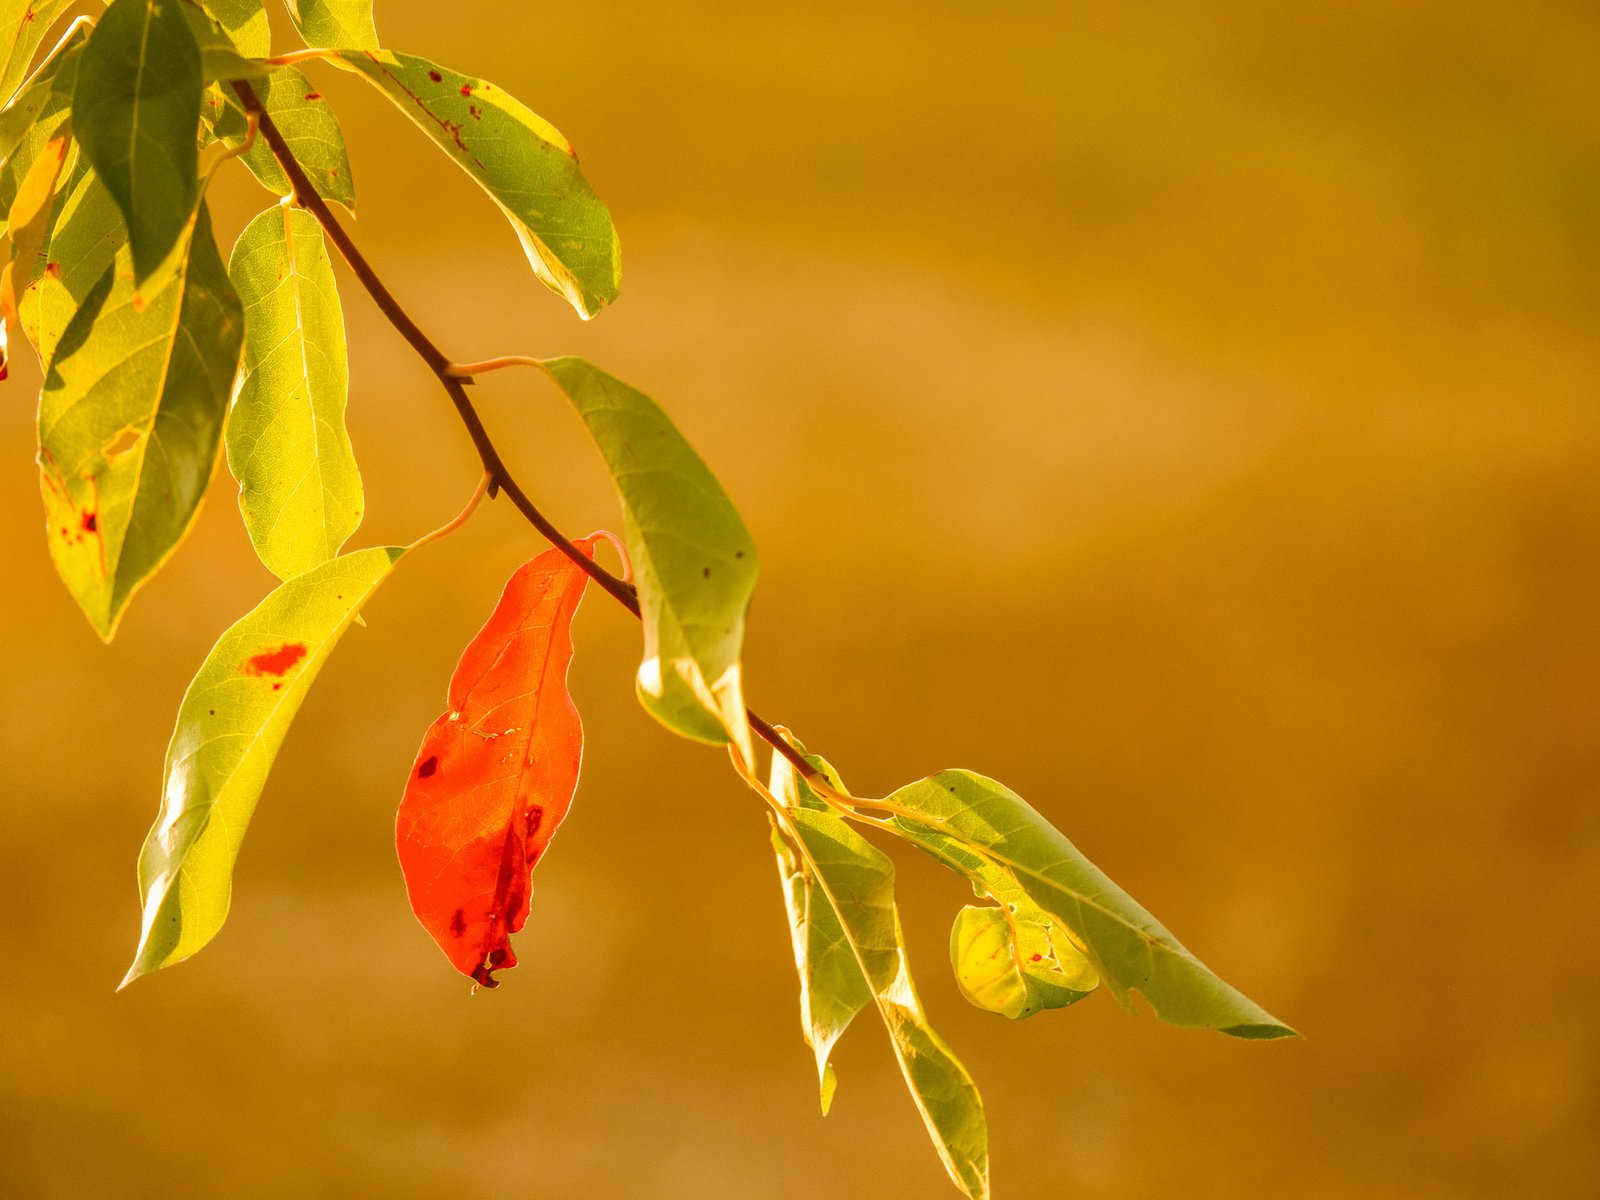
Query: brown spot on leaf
{"type": "Point", "coordinates": [90, 523]}
{"type": "Point", "coordinates": [275, 662]}
{"type": "Point", "coordinates": [435, 76]}
{"type": "Point", "coordinates": [458, 923]}
{"type": "Point", "coordinates": [428, 767]}
{"type": "Point", "coordinates": [466, 89]}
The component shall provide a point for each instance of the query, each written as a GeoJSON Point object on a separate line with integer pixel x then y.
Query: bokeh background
{"type": "Point", "coordinates": [1187, 415]}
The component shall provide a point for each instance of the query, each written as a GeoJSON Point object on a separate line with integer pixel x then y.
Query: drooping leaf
{"type": "Point", "coordinates": [335, 24]}
{"type": "Point", "coordinates": [299, 487]}
{"type": "Point", "coordinates": [23, 24]}
{"type": "Point", "coordinates": [693, 561]}
{"type": "Point", "coordinates": [130, 421]}
{"type": "Point", "coordinates": [84, 234]}
{"type": "Point", "coordinates": [857, 881]}
{"type": "Point", "coordinates": [832, 988]}
{"type": "Point", "coordinates": [136, 113]}
{"type": "Point", "coordinates": [309, 126]}
{"type": "Point", "coordinates": [520, 159]}
{"type": "Point", "coordinates": [40, 112]}
{"type": "Point", "coordinates": [232, 721]}
{"type": "Point", "coordinates": [1129, 948]}
{"type": "Point", "coordinates": [496, 773]}
{"type": "Point", "coordinates": [244, 24]}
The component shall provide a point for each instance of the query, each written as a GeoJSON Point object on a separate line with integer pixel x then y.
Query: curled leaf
{"type": "Point", "coordinates": [496, 772]}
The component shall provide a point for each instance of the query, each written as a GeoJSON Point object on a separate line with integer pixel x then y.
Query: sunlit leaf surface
{"type": "Point", "coordinates": [232, 721]}
{"type": "Point", "coordinates": [299, 487]}
{"type": "Point", "coordinates": [693, 561]}
{"type": "Point", "coordinates": [856, 881]}
{"type": "Point", "coordinates": [1129, 948]}
{"type": "Point", "coordinates": [521, 160]}
{"type": "Point", "coordinates": [23, 24]}
{"type": "Point", "coordinates": [335, 24]}
{"type": "Point", "coordinates": [130, 421]}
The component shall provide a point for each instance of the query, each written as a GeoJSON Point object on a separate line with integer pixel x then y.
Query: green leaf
{"type": "Point", "coordinates": [137, 107]}
{"type": "Point", "coordinates": [1013, 959]}
{"type": "Point", "coordinates": [130, 420]}
{"type": "Point", "coordinates": [856, 881]}
{"type": "Point", "coordinates": [232, 721]}
{"type": "Point", "coordinates": [299, 489]}
{"type": "Point", "coordinates": [245, 23]}
{"type": "Point", "coordinates": [693, 561]}
{"type": "Point", "coordinates": [80, 245]}
{"type": "Point", "coordinates": [521, 160]}
{"type": "Point", "coordinates": [308, 125]}
{"type": "Point", "coordinates": [40, 112]}
{"type": "Point", "coordinates": [335, 24]}
{"type": "Point", "coordinates": [220, 59]}
{"type": "Point", "coordinates": [23, 24]}
{"type": "Point", "coordinates": [832, 988]}
{"type": "Point", "coordinates": [1129, 948]}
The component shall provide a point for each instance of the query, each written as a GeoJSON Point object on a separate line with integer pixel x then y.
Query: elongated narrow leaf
{"type": "Point", "coordinates": [243, 23]}
{"type": "Point", "coordinates": [335, 24]}
{"type": "Point", "coordinates": [220, 58]}
{"type": "Point", "coordinates": [232, 721]}
{"type": "Point", "coordinates": [23, 24]}
{"type": "Point", "coordinates": [84, 235]}
{"type": "Point", "coordinates": [1131, 950]}
{"type": "Point", "coordinates": [693, 561]}
{"type": "Point", "coordinates": [496, 773]}
{"type": "Point", "coordinates": [130, 422]}
{"type": "Point", "coordinates": [832, 988]}
{"type": "Point", "coordinates": [299, 487]}
{"type": "Point", "coordinates": [857, 882]}
{"type": "Point", "coordinates": [521, 160]}
{"type": "Point", "coordinates": [136, 113]}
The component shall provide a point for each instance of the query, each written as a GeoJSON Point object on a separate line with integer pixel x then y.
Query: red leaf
{"type": "Point", "coordinates": [496, 772]}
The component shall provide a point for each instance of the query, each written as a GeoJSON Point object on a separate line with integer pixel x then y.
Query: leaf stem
{"type": "Point", "coordinates": [467, 370]}
{"type": "Point", "coordinates": [498, 475]}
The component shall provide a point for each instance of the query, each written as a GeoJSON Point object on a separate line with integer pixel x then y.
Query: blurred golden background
{"type": "Point", "coordinates": [1187, 416]}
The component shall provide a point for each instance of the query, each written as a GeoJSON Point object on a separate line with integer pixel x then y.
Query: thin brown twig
{"type": "Point", "coordinates": [305, 194]}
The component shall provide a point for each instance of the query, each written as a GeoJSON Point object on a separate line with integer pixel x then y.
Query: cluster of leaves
{"type": "Point", "coordinates": [157, 357]}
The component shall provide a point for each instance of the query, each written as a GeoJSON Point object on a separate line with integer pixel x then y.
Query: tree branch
{"type": "Point", "coordinates": [455, 385]}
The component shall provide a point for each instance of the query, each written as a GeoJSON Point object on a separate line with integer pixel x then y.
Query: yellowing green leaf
{"type": "Point", "coordinates": [520, 159]}
{"type": "Point", "coordinates": [1130, 949]}
{"type": "Point", "coordinates": [40, 111]}
{"type": "Point", "coordinates": [335, 24]}
{"type": "Point", "coordinates": [84, 235]}
{"type": "Point", "coordinates": [309, 126]}
{"type": "Point", "coordinates": [1017, 963]}
{"type": "Point", "coordinates": [130, 420]}
{"type": "Point", "coordinates": [832, 988]}
{"type": "Point", "coordinates": [232, 721]}
{"type": "Point", "coordinates": [693, 561]}
{"type": "Point", "coordinates": [857, 882]}
{"type": "Point", "coordinates": [299, 489]}
{"type": "Point", "coordinates": [23, 24]}
{"type": "Point", "coordinates": [136, 112]}
{"type": "Point", "coordinates": [245, 23]}
{"type": "Point", "coordinates": [27, 220]}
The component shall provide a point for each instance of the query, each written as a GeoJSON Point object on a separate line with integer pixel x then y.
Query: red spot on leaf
{"type": "Point", "coordinates": [275, 662]}
{"type": "Point", "coordinates": [313, 95]}
{"type": "Point", "coordinates": [435, 76]}
{"type": "Point", "coordinates": [1038, 958]}
{"type": "Point", "coordinates": [468, 841]}
{"type": "Point", "coordinates": [91, 523]}
{"type": "Point", "coordinates": [53, 270]}
{"type": "Point", "coordinates": [466, 89]}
